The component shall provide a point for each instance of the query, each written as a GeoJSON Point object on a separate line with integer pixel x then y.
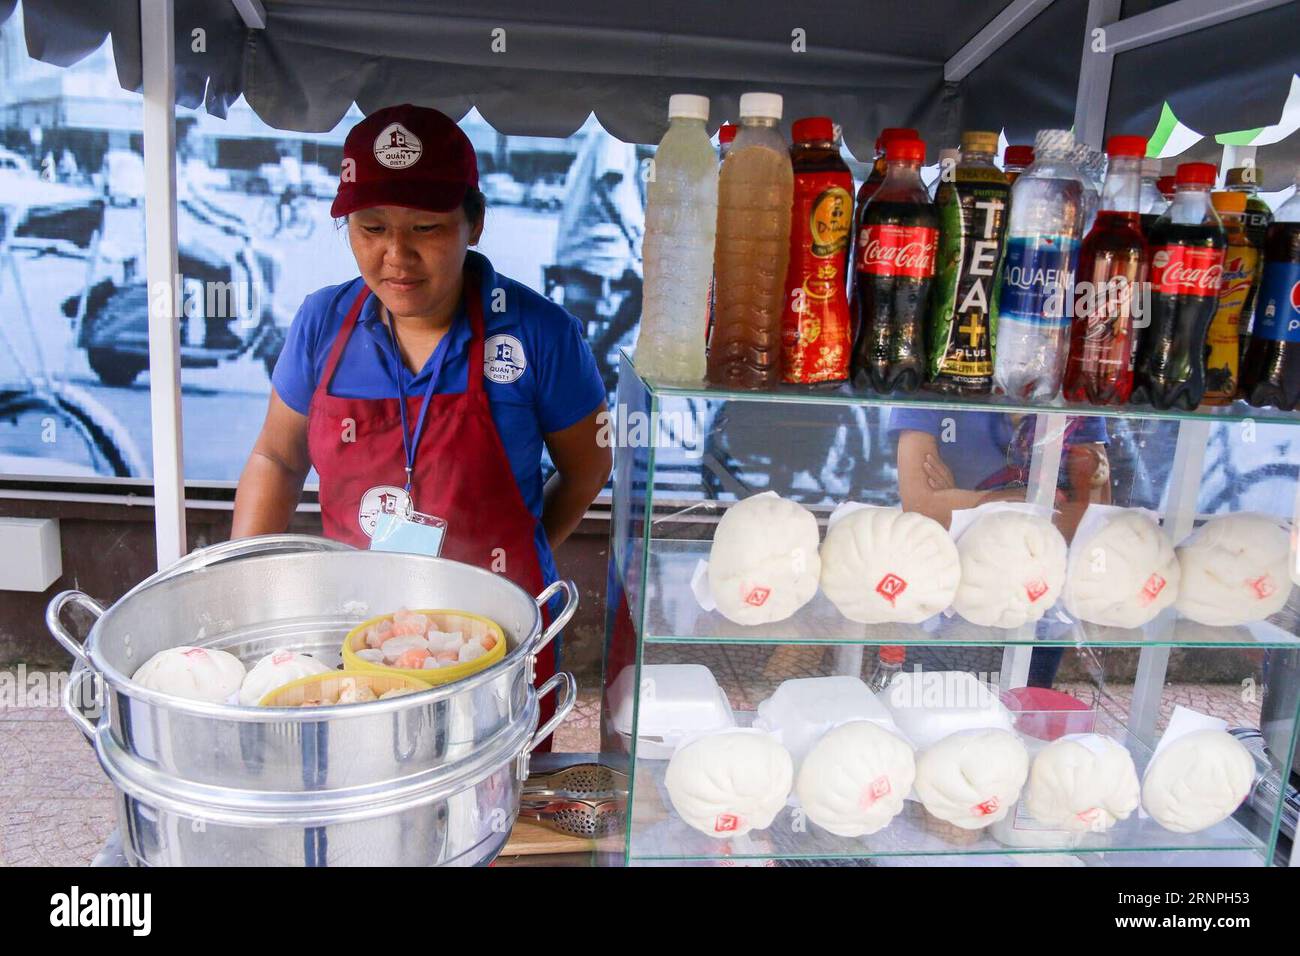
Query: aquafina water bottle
{"type": "Point", "coordinates": [1035, 293]}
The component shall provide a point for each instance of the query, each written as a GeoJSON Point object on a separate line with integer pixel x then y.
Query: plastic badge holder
{"type": "Point", "coordinates": [803, 709]}
{"type": "Point", "coordinates": [678, 701]}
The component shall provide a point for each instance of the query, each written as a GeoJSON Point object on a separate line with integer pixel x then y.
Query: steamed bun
{"type": "Point", "coordinates": [972, 778]}
{"type": "Point", "coordinates": [274, 671]}
{"type": "Point", "coordinates": [195, 673]}
{"type": "Point", "coordinates": [763, 565]}
{"type": "Point", "coordinates": [1082, 782]}
{"type": "Point", "coordinates": [883, 564]}
{"type": "Point", "coordinates": [1197, 781]}
{"type": "Point", "coordinates": [729, 783]}
{"type": "Point", "coordinates": [1012, 569]}
{"type": "Point", "coordinates": [1235, 569]}
{"type": "Point", "coordinates": [854, 780]}
{"type": "Point", "coordinates": [1124, 574]}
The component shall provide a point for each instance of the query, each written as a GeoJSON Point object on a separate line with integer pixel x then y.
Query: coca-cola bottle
{"type": "Point", "coordinates": [894, 266]}
{"type": "Point", "coordinates": [1112, 266]}
{"type": "Point", "coordinates": [872, 183]}
{"type": "Point", "coordinates": [1271, 373]}
{"type": "Point", "coordinates": [1187, 247]}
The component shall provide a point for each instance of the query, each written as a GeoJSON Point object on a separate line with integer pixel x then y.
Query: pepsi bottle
{"type": "Point", "coordinates": [1271, 373]}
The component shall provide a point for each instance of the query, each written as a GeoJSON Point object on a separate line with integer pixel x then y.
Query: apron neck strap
{"type": "Point", "coordinates": [473, 298]}
{"type": "Point", "coordinates": [345, 333]}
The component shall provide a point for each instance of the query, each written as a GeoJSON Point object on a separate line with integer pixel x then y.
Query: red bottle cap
{"type": "Point", "coordinates": [1166, 185]}
{"type": "Point", "coordinates": [1200, 174]}
{"type": "Point", "coordinates": [894, 132]}
{"type": "Point", "coordinates": [1018, 156]}
{"type": "Point", "coordinates": [905, 150]}
{"type": "Point", "coordinates": [893, 655]}
{"type": "Point", "coordinates": [727, 133]}
{"type": "Point", "coordinates": [812, 129]}
{"type": "Point", "coordinates": [1135, 146]}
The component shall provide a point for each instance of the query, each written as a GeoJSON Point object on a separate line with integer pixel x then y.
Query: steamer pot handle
{"type": "Point", "coordinates": [53, 613]}
{"type": "Point", "coordinates": [71, 695]}
{"type": "Point", "coordinates": [570, 605]}
{"type": "Point", "coordinates": [562, 707]}
{"type": "Point", "coordinates": [240, 548]}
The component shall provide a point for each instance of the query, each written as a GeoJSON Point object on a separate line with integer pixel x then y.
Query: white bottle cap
{"type": "Point", "coordinates": [761, 105]}
{"type": "Point", "coordinates": [688, 105]}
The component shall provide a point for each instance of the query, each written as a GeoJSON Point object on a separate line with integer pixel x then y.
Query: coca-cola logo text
{"type": "Point", "coordinates": [1184, 271]}
{"type": "Point", "coordinates": [885, 250]}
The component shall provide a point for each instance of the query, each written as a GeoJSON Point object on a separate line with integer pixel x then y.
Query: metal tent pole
{"type": "Point", "coordinates": [158, 56]}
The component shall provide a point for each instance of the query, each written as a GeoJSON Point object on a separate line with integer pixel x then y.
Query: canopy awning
{"type": "Point", "coordinates": [535, 69]}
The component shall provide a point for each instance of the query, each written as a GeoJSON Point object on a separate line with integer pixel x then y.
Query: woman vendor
{"type": "Point", "coordinates": [423, 391]}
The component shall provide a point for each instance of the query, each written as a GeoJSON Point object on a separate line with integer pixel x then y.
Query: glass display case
{"type": "Point", "coordinates": [685, 456]}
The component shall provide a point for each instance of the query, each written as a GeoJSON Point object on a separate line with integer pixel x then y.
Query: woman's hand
{"type": "Point", "coordinates": [271, 483]}
{"type": "Point", "coordinates": [582, 466]}
{"type": "Point", "coordinates": [937, 473]}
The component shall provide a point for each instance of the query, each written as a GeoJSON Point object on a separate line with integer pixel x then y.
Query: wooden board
{"type": "Point", "coordinates": [529, 837]}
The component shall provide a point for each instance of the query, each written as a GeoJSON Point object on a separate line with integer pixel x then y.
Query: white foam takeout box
{"type": "Point", "coordinates": [677, 701]}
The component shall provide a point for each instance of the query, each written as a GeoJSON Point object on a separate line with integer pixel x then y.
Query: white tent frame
{"type": "Point", "coordinates": [1105, 35]}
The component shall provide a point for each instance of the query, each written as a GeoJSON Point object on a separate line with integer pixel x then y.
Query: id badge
{"type": "Point", "coordinates": [410, 532]}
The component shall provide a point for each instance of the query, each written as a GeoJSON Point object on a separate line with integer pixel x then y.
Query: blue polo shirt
{"type": "Point", "coordinates": [544, 377]}
{"type": "Point", "coordinates": [987, 447]}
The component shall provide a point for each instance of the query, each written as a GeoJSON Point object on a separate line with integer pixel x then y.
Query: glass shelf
{"type": "Point", "coordinates": [658, 834]}
{"type": "Point", "coordinates": [672, 616]}
{"type": "Point", "coordinates": [848, 395]}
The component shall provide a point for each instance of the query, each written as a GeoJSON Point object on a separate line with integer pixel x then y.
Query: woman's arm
{"type": "Point", "coordinates": [582, 465]}
{"type": "Point", "coordinates": [1088, 469]}
{"type": "Point", "coordinates": [271, 483]}
{"type": "Point", "coordinates": [924, 482]}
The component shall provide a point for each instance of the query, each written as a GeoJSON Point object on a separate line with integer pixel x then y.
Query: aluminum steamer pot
{"type": "Point", "coordinates": [427, 778]}
{"type": "Point", "coordinates": [460, 815]}
{"type": "Point", "coordinates": [304, 601]}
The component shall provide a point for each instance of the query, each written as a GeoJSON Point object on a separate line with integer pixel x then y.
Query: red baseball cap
{"type": "Point", "coordinates": [405, 155]}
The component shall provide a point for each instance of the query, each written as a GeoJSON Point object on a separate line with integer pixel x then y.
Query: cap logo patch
{"type": "Point", "coordinates": [397, 147]}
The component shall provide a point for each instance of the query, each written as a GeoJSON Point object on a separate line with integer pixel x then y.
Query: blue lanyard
{"type": "Point", "coordinates": [411, 442]}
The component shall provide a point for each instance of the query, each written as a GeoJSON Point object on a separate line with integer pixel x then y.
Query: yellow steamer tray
{"type": "Point", "coordinates": [443, 620]}
{"type": "Point", "coordinates": [294, 693]}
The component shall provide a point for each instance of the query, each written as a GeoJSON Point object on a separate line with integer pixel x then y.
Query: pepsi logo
{"type": "Point", "coordinates": [1295, 297]}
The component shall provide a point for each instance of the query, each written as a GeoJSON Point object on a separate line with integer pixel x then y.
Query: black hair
{"type": "Point", "coordinates": [474, 205]}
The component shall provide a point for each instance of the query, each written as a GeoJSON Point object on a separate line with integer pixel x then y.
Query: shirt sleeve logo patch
{"type": "Point", "coordinates": [503, 359]}
{"type": "Point", "coordinates": [397, 147]}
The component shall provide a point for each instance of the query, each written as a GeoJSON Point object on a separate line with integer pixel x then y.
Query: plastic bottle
{"type": "Point", "coordinates": [1111, 274]}
{"type": "Point", "coordinates": [889, 661]}
{"type": "Point", "coordinates": [1187, 246]}
{"type": "Point", "coordinates": [681, 217]}
{"type": "Point", "coordinates": [1271, 373]}
{"type": "Point", "coordinates": [948, 162]}
{"type": "Point", "coordinates": [972, 210]}
{"type": "Point", "coordinates": [753, 250]}
{"type": "Point", "coordinates": [726, 136]}
{"type": "Point", "coordinates": [1223, 355]}
{"type": "Point", "coordinates": [877, 174]}
{"type": "Point", "coordinates": [894, 267]}
{"type": "Point", "coordinates": [1032, 328]}
{"type": "Point", "coordinates": [1092, 164]}
{"type": "Point", "coordinates": [1015, 160]}
{"type": "Point", "coordinates": [816, 328]}
{"type": "Point", "coordinates": [1151, 202]}
{"type": "Point", "coordinates": [1258, 217]}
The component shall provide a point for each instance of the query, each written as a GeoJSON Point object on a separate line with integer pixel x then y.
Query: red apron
{"type": "Point", "coordinates": [462, 472]}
